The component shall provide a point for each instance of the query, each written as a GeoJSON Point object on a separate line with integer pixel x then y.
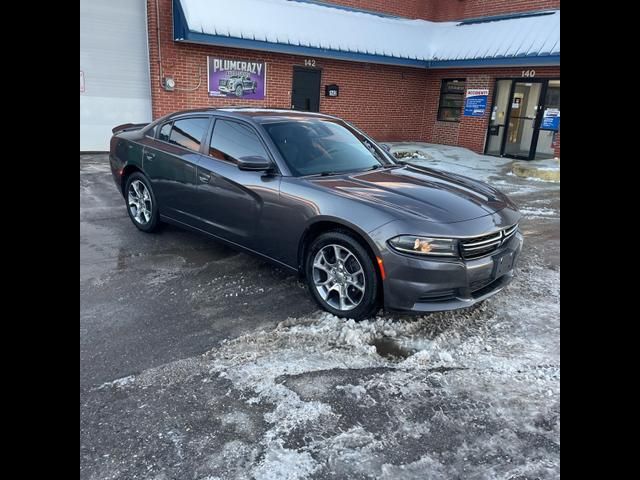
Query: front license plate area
{"type": "Point", "coordinates": [503, 263]}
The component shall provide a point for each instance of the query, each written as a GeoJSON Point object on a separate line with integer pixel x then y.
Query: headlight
{"type": "Point", "coordinates": [442, 247]}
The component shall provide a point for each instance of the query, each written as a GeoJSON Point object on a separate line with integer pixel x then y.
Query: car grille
{"type": "Point", "coordinates": [222, 83]}
{"type": "Point", "coordinates": [488, 288]}
{"type": "Point", "coordinates": [484, 245]}
{"type": "Point", "coordinates": [480, 284]}
{"type": "Point", "coordinates": [438, 296]}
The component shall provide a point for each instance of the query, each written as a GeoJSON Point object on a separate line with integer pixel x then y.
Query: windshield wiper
{"type": "Point", "coordinates": [376, 167]}
{"type": "Point", "coordinates": [346, 172]}
{"type": "Point", "coordinates": [323, 174]}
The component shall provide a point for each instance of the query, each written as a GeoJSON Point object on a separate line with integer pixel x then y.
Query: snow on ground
{"type": "Point", "coordinates": [538, 212]}
{"type": "Point", "coordinates": [494, 170]}
{"type": "Point", "coordinates": [451, 159]}
{"type": "Point", "coordinates": [472, 393]}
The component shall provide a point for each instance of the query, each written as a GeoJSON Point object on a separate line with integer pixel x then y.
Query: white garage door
{"type": "Point", "coordinates": [114, 69]}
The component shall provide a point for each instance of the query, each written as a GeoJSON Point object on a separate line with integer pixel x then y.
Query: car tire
{"type": "Point", "coordinates": [141, 203]}
{"type": "Point", "coordinates": [239, 91]}
{"type": "Point", "coordinates": [335, 282]}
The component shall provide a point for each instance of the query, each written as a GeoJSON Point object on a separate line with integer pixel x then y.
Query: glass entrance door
{"type": "Point", "coordinates": [498, 119]}
{"type": "Point", "coordinates": [525, 118]}
{"type": "Point", "coordinates": [550, 123]}
{"type": "Point", "coordinates": [521, 125]}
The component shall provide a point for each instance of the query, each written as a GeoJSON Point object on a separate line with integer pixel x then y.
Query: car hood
{"type": "Point", "coordinates": [432, 195]}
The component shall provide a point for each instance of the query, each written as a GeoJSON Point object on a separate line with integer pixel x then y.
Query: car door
{"type": "Point", "coordinates": [237, 205]}
{"type": "Point", "coordinates": [170, 163]}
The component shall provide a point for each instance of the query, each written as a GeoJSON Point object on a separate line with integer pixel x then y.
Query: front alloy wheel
{"type": "Point", "coordinates": [338, 277]}
{"type": "Point", "coordinates": [341, 275]}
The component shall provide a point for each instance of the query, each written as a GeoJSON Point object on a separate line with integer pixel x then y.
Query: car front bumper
{"type": "Point", "coordinates": [429, 285]}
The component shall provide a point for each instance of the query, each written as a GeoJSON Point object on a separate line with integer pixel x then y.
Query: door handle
{"type": "Point", "coordinates": [149, 156]}
{"type": "Point", "coordinates": [203, 177]}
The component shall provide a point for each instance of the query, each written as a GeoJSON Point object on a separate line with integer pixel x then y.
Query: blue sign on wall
{"type": "Point", "coordinates": [475, 104]}
{"type": "Point", "coordinates": [551, 119]}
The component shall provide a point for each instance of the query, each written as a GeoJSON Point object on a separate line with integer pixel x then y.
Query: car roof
{"type": "Point", "coordinates": [261, 115]}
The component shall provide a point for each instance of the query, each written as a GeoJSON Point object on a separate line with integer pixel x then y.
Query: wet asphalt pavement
{"type": "Point", "coordinates": [149, 299]}
{"type": "Point", "coordinates": [199, 362]}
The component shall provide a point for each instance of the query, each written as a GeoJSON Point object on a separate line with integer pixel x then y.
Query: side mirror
{"type": "Point", "coordinates": [385, 147]}
{"type": "Point", "coordinates": [254, 163]}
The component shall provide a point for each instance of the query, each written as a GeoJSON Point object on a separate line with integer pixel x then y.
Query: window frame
{"type": "Point", "coordinates": [212, 127]}
{"type": "Point", "coordinates": [177, 119]}
{"type": "Point", "coordinates": [443, 92]}
{"type": "Point", "coordinates": [152, 128]}
{"type": "Point", "coordinates": [159, 131]}
{"type": "Point", "coordinates": [202, 138]}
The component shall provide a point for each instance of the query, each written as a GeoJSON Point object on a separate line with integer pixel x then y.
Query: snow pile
{"type": "Point", "coordinates": [478, 392]}
{"type": "Point", "coordinates": [495, 366]}
{"type": "Point", "coordinates": [284, 464]}
{"type": "Point", "coordinates": [449, 158]}
{"type": "Point", "coordinates": [539, 212]}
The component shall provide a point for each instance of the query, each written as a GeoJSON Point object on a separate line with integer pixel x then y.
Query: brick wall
{"type": "Point", "coordinates": [444, 10]}
{"type": "Point", "coordinates": [385, 101]}
{"type": "Point", "coordinates": [470, 132]}
{"type": "Point", "coordinates": [401, 8]}
{"type": "Point", "coordinates": [388, 102]}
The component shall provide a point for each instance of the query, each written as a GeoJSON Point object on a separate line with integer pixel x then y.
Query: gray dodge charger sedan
{"type": "Point", "coordinates": [314, 194]}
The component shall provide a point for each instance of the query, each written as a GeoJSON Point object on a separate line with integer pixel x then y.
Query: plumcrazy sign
{"type": "Point", "coordinates": [236, 78]}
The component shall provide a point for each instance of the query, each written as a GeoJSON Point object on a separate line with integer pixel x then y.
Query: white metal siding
{"type": "Point", "coordinates": [115, 61]}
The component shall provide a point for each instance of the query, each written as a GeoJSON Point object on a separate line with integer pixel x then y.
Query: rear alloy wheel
{"type": "Point", "coordinates": [341, 276]}
{"type": "Point", "coordinates": [141, 203]}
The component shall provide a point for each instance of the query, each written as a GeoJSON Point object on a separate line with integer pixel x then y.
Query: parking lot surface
{"type": "Point", "coordinates": [199, 362]}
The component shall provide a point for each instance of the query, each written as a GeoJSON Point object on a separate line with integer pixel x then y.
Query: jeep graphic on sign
{"type": "Point", "coordinates": [237, 85]}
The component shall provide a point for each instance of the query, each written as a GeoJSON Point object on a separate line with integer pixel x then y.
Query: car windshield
{"type": "Point", "coordinates": [319, 146]}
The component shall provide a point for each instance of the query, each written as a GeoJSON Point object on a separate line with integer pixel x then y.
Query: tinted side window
{"type": "Point", "coordinates": [164, 132]}
{"type": "Point", "coordinates": [233, 140]}
{"type": "Point", "coordinates": [188, 133]}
